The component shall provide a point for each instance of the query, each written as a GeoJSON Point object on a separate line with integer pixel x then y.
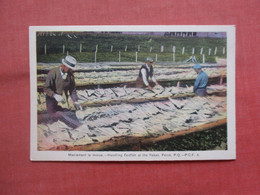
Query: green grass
{"type": "Point", "coordinates": [89, 42]}
{"type": "Point", "coordinates": [205, 140]}
{"type": "Point", "coordinates": [88, 57]}
{"type": "Point", "coordinates": [211, 139]}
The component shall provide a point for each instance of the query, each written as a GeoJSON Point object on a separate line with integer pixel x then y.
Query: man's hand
{"type": "Point", "coordinates": [149, 87]}
{"type": "Point", "coordinates": [78, 106]}
{"type": "Point", "coordinates": [59, 98]}
{"type": "Point", "coordinates": [157, 84]}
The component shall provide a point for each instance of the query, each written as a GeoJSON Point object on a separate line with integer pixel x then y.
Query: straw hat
{"type": "Point", "coordinates": [70, 62]}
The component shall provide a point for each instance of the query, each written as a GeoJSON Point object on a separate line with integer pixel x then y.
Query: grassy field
{"type": "Point", "coordinates": [128, 45]}
{"type": "Point", "coordinates": [207, 140]}
{"type": "Point", "coordinates": [211, 139]}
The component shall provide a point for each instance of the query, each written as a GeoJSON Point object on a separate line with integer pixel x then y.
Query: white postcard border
{"type": "Point", "coordinates": [228, 154]}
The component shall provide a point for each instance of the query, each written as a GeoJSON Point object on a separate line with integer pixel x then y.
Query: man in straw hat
{"type": "Point", "coordinates": [146, 72]}
{"type": "Point", "coordinates": [61, 80]}
{"type": "Point", "coordinates": [201, 82]}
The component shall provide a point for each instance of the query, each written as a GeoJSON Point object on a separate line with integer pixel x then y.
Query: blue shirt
{"type": "Point", "coordinates": [201, 81]}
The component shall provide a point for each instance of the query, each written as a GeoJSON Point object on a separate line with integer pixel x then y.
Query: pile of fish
{"type": "Point", "coordinates": [125, 111]}
{"type": "Point", "coordinates": [132, 119]}
{"type": "Point", "coordinates": [131, 75]}
{"type": "Point", "coordinates": [125, 65]}
{"type": "Point", "coordinates": [104, 74]}
{"type": "Point", "coordinates": [95, 97]}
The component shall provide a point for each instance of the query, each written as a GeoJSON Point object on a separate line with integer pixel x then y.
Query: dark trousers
{"type": "Point", "coordinates": [140, 83]}
{"type": "Point", "coordinates": [56, 112]}
{"type": "Point", "coordinates": [201, 92]}
{"type": "Point", "coordinates": [52, 106]}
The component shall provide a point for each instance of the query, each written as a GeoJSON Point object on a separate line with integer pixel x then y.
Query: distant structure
{"type": "Point", "coordinates": [180, 34]}
{"type": "Point", "coordinates": [196, 34]}
{"type": "Point", "coordinates": [212, 34]}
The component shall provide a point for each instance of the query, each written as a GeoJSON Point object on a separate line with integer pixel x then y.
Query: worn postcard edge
{"type": "Point", "coordinates": [229, 154]}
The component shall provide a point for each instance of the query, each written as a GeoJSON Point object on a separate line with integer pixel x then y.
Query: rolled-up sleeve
{"type": "Point", "coordinates": [144, 76]}
{"type": "Point", "coordinates": [153, 79]}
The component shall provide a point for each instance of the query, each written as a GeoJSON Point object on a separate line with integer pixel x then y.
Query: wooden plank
{"type": "Point", "coordinates": [132, 140]}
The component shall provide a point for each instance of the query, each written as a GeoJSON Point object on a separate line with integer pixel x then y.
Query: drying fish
{"type": "Point", "coordinates": [145, 119]}
{"type": "Point", "coordinates": [127, 111]}
{"type": "Point", "coordinates": [106, 74]}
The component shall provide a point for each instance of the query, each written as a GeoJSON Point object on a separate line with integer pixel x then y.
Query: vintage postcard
{"type": "Point", "coordinates": [132, 93]}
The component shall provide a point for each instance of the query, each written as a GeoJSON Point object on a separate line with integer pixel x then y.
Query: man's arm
{"type": "Point", "coordinates": [143, 71]}
{"type": "Point", "coordinates": [47, 88]}
{"type": "Point", "coordinates": [154, 80]}
{"type": "Point", "coordinates": [73, 95]}
{"type": "Point", "coordinates": [196, 83]}
{"type": "Point", "coordinates": [72, 90]}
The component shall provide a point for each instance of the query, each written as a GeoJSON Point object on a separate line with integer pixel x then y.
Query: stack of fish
{"type": "Point", "coordinates": [111, 74]}
{"type": "Point", "coordinates": [122, 111]}
{"type": "Point", "coordinates": [135, 119]}
{"type": "Point", "coordinates": [95, 97]}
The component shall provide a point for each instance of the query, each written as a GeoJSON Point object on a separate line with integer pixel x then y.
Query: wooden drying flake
{"type": "Point", "coordinates": [137, 141]}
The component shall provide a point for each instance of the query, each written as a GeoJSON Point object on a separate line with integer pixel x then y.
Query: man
{"type": "Point", "coordinates": [145, 72]}
{"type": "Point", "coordinates": [201, 82]}
{"type": "Point", "coordinates": [61, 80]}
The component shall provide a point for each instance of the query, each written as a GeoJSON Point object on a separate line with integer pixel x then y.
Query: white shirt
{"type": "Point", "coordinates": [63, 75]}
{"type": "Point", "coordinates": [143, 71]}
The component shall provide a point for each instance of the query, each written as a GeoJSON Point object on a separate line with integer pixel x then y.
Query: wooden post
{"type": "Point", "coordinates": [63, 48]}
{"type": "Point", "coordinates": [183, 50]}
{"type": "Point", "coordinates": [173, 54]}
{"type": "Point", "coordinates": [209, 51]}
{"type": "Point", "coordinates": [119, 56]}
{"type": "Point", "coordinates": [80, 48]}
{"type": "Point", "coordinates": [156, 57]}
{"type": "Point", "coordinates": [162, 48]}
{"type": "Point", "coordinates": [136, 56]}
{"type": "Point", "coordinates": [203, 59]}
{"type": "Point", "coordinates": [221, 79]}
{"type": "Point", "coordinates": [95, 56]}
{"type": "Point", "coordinates": [215, 52]}
{"type": "Point", "coordinates": [201, 51]}
{"type": "Point", "coordinates": [173, 49]}
{"type": "Point", "coordinates": [45, 49]}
